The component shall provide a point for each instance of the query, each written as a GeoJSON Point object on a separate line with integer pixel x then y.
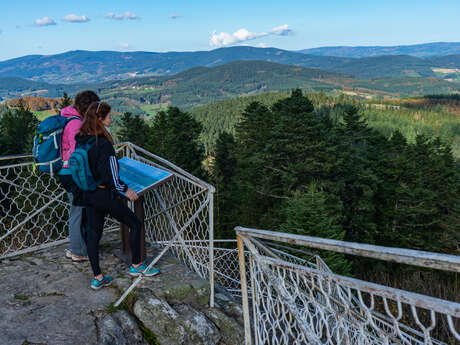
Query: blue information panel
{"type": "Point", "coordinates": [139, 176]}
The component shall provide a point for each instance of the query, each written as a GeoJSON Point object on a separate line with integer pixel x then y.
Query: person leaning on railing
{"type": "Point", "coordinates": [77, 227]}
{"type": "Point", "coordinates": [105, 199]}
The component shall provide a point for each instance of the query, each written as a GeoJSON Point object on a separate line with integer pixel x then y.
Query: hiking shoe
{"type": "Point", "coordinates": [68, 254]}
{"type": "Point", "coordinates": [142, 270]}
{"type": "Point", "coordinates": [97, 284]}
{"type": "Point", "coordinates": [76, 258]}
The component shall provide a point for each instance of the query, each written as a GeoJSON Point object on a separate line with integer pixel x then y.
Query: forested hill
{"type": "Point", "coordinates": [419, 50]}
{"type": "Point", "coordinates": [90, 67]}
{"type": "Point", "coordinates": [429, 115]}
{"type": "Point", "coordinates": [202, 85]}
{"type": "Point", "coordinates": [12, 87]}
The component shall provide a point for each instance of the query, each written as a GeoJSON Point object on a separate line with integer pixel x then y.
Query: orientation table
{"type": "Point", "coordinates": [141, 178]}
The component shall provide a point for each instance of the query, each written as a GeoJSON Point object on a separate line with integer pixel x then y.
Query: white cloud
{"type": "Point", "coordinates": [112, 15]}
{"type": "Point", "coordinates": [132, 16]}
{"type": "Point", "coordinates": [125, 45]}
{"type": "Point", "coordinates": [45, 21]}
{"type": "Point", "coordinates": [175, 16]}
{"type": "Point", "coordinates": [127, 15]}
{"type": "Point", "coordinates": [224, 38]}
{"type": "Point", "coordinates": [283, 30]}
{"type": "Point", "coordinates": [73, 18]}
{"type": "Point", "coordinates": [262, 45]}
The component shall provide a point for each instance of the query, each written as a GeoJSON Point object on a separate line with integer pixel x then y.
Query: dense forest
{"type": "Point", "coordinates": [435, 115]}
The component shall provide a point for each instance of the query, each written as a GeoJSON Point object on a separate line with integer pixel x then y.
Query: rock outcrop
{"type": "Point", "coordinates": [46, 299]}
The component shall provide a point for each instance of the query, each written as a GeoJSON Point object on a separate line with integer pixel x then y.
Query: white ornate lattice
{"type": "Point", "coordinates": [305, 303]}
{"type": "Point", "coordinates": [34, 210]}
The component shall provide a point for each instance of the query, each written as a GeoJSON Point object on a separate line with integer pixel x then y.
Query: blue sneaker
{"type": "Point", "coordinates": [97, 284]}
{"type": "Point", "coordinates": [142, 270]}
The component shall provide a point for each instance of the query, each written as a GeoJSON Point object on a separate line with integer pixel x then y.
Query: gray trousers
{"type": "Point", "coordinates": [77, 231]}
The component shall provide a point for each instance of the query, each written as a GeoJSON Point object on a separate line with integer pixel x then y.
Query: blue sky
{"type": "Point", "coordinates": [55, 26]}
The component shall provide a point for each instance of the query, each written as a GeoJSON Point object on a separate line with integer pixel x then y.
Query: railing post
{"type": "Point", "coordinates": [244, 290]}
{"type": "Point", "coordinates": [211, 247]}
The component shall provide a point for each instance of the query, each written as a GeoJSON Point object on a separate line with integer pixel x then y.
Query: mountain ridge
{"type": "Point", "coordinates": [418, 50]}
{"type": "Point", "coordinates": [89, 67]}
{"type": "Point", "coordinates": [202, 85]}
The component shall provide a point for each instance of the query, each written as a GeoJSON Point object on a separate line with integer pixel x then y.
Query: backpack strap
{"type": "Point", "coordinates": [69, 119]}
{"type": "Point", "coordinates": [74, 118]}
{"type": "Point", "coordinates": [90, 143]}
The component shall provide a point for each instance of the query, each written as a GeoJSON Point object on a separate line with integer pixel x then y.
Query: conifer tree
{"type": "Point", "coordinates": [222, 173]}
{"type": "Point", "coordinates": [174, 136]}
{"type": "Point", "coordinates": [17, 128]}
{"type": "Point", "coordinates": [65, 101]}
{"type": "Point", "coordinates": [134, 129]}
{"type": "Point", "coordinates": [359, 182]}
{"type": "Point", "coordinates": [249, 201]}
{"type": "Point", "coordinates": [310, 213]}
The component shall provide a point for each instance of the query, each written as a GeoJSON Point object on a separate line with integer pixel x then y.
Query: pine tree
{"type": "Point", "coordinates": [248, 199]}
{"type": "Point", "coordinates": [134, 129]}
{"type": "Point", "coordinates": [174, 136]}
{"type": "Point", "coordinates": [310, 213]}
{"type": "Point", "coordinates": [17, 128]}
{"type": "Point", "coordinates": [222, 173]}
{"type": "Point", "coordinates": [359, 182]}
{"type": "Point", "coordinates": [65, 101]}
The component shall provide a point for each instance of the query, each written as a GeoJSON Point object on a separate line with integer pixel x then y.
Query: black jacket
{"type": "Point", "coordinates": [103, 163]}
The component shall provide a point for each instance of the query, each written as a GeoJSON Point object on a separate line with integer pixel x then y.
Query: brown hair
{"type": "Point", "coordinates": [92, 123]}
{"type": "Point", "coordinates": [83, 100]}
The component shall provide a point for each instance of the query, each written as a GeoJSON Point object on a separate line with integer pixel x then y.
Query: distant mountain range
{"type": "Point", "coordinates": [418, 50]}
{"type": "Point", "coordinates": [93, 67]}
{"type": "Point", "coordinates": [202, 85]}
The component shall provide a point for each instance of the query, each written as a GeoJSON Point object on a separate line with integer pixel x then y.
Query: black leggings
{"type": "Point", "coordinates": [99, 203]}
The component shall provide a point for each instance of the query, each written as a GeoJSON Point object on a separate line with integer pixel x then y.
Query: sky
{"type": "Point", "coordinates": [54, 26]}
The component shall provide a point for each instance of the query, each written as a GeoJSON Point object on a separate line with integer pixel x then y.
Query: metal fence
{"type": "Point", "coordinates": [303, 302]}
{"type": "Point", "coordinates": [178, 213]}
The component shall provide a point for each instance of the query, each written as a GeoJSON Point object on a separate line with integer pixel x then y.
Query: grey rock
{"type": "Point", "coordinates": [160, 318]}
{"type": "Point", "coordinates": [231, 331]}
{"type": "Point", "coordinates": [45, 299]}
{"type": "Point", "coordinates": [200, 330]}
{"type": "Point", "coordinates": [119, 329]}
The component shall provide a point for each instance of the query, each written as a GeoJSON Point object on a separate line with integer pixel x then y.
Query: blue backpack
{"type": "Point", "coordinates": [80, 169]}
{"type": "Point", "coordinates": [47, 144]}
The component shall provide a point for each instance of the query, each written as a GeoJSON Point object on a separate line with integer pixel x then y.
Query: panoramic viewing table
{"type": "Point", "coordinates": [141, 178]}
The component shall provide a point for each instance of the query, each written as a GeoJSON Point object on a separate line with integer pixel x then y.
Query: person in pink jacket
{"type": "Point", "coordinates": [77, 227]}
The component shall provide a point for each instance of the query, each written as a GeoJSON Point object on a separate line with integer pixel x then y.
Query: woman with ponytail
{"type": "Point", "coordinates": [106, 199]}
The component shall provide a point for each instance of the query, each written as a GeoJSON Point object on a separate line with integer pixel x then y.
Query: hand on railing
{"type": "Point", "coordinates": [132, 196]}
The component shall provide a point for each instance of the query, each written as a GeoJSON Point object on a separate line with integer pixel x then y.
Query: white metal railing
{"type": "Point", "coordinates": [34, 211]}
{"type": "Point", "coordinates": [298, 303]}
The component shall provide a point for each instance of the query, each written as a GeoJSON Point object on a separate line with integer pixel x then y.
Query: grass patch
{"type": "Point", "coordinates": [149, 336]}
{"type": "Point", "coordinates": [107, 246]}
{"type": "Point", "coordinates": [21, 297]}
{"type": "Point", "coordinates": [41, 115]}
{"type": "Point", "coordinates": [112, 309]}
{"type": "Point", "coordinates": [127, 304]}
{"type": "Point", "coordinates": [54, 293]}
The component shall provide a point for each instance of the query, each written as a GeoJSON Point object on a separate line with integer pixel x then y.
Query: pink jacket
{"type": "Point", "coordinates": [68, 137]}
